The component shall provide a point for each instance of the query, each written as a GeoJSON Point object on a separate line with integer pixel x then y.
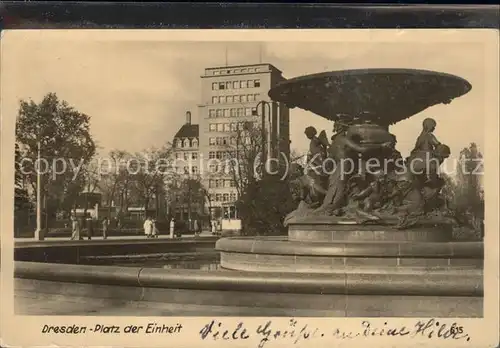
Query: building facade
{"type": "Point", "coordinates": [186, 202]}
{"type": "Point", "coordinates": [232, 96]}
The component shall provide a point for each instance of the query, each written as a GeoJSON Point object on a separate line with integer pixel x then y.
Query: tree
{"type": "Point", "coordinates": [150, 170]}
{"type": "Point", "coordinates": [263, 200]}
{"type": "Point", "coordinates": [189, 192]}
{"type": "Point", "coordinates": [21, 197]}
{"type": "Point", "coordinates": [469, 196]}
{"type": "Point", "coordinates": [66, 144]}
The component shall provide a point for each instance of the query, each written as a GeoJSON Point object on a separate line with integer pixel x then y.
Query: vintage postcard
{"type": "Point", "coordinates": [249, 188]}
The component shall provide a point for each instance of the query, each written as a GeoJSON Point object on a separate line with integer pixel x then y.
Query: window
{"type": "Point", "coordinates": [236, 71]}
{"type": "Point", "coordinates": [225, 141]}
{"type": "Point", "coordinates": [243, 98]}
{"type": "Point", "coordinates": [185, 143]}
{"type": "Point", "coordinates": [228, 99]}
{"type": "Point", "coordinates": [179, 143]}
{"type": "Point", "coordinates": [211, 183]}
{"type": "Point", "coordinates": [236, 98]}
{"type": "Point", "coordinates": [233, 196]}
{"type": "Point", "coordinates": [215, 86]}
{"type": "Point", "coordinates": [226, 127]}
{"type": "Point", "coordinates": [233, 141]}
{"type": "Point", "coordinates": [211, 141]}
{"type": "Point", "coordinates": [177, 155]}
{"type": "Point", "coordinates": [227, 183]}
{"type": "Point", "coordinates": [256, 83]}
{"type": "Point", "coordinates": [218, 141]}
{"type": "Point", "coordinates": [241, 112]}
{"type": "Point", "coordinates": [211, 155]}
{"type": "Point", "coordinates": [243, 70]}
{"type": "Point", "coordinates": [234, 127]}
{"type": "Point", "coordinates": [194, 155]}
{"type": "Point", "coordinates": [256, 96]}
{"type": "Point", "coordinates": [186, 156]}
{"type": "Point", "coordinates": [221, 100]}
{"type": "Point", "coordinates": [218, 197]}
{"type": "Point", "coordinates": [236, 85]}
{"type": "Point", "coordinates": [219, 155]}
{"type": "Point", "coordinates": [254, 112]}
{"type": "Point", "coordinates": [212, 168]}
{"type": "Point", "coordinates": [219, 183]}
{"type": "Point", "coordinates": [220, 112]}
{"type": "Point", "coordinates": [251, 97]}
{"type": "Point", "coordinates": [226, 113]}
{"type": "Point", "coordinates": [211, 113]}
{"type": "Point", "coordinates": [212, 127]}
{"type": "Point", "coordinates": [216, 72]}
{"type": "Point", "coordinates": [186, 170]}
{"type": "Point", "coordinates": [248, 111]}
{"type": "Point", "coordinates": [220, 127]}
{"type": "Point", "coordinates": [194, 170]}
{"type": "Point", "coordinates": [233, 112]}
{"type": "Point", "coordinates": [250, 84]}
{"type": "Point", "coordinates": [225, 197]}
{"type": "Point", "coordinates": [222, 85]}
{"type": "Point", "coordinates": [228, 85]}
{"type": "Point", "coordinates": [215, 100]}
{"type": "Point", "coordinates": [243, 84]}
{"type": "Point", "coordinates": [194, 143]}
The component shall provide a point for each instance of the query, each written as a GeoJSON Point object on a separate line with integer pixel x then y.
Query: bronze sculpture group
{"type": "Point", "coordinates": [360, 175]}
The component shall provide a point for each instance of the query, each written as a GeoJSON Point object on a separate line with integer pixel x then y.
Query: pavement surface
{"type": "Point", "coordinates": [113, 238]}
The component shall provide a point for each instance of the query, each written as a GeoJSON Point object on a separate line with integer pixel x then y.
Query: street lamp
{"type": "Point", "coordinates": [263, 105]}
{"type": "Point", "coordinates": [39, 232]}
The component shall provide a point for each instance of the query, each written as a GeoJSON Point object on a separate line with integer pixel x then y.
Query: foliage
{"type": "Point", "coordinates": [65, 140]}
{"type": "Point", "coordinates": [465, 196]}
{"type": "Point", "coordinates": [21, 197]}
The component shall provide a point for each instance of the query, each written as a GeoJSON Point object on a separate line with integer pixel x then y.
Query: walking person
{"type": "Point", "coordinates": [154, 229]}
{"type": "Point", "coordinates": [75, 228]}
{"type": "Point", "coordinates": [105, 226]}
{"type": "Point", "coordinates": [196, 228]}
{"type": "Point", "coordinates": [172, 228]}
{"type": "Point", "coordinates": [90, 227]}
{"type": "Point", "coordinates": [148, 225]}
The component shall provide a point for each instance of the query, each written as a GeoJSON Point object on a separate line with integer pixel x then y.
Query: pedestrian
{"type": "Point", "coordinates": [199, 228]}
{"type": "Point", "coordinates": [105, 225]}
{"type": "Point", "coordinates": [154, 229]}
{"type": "Point", "coordinates": [195, 227]}
{"type": "Point", "coordinates": [90, 227]}
{"type": "Point", "coordinates": [75, 228]}
{"type": "Point", "coordinates": [214, 228]}
{"type": "Point", "coordinates": [172, 228]}
{"type": "Point", "coordinates": [148, 225]}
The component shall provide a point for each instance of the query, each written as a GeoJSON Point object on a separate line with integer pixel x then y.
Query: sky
{"type": "Point", "coordinates": [137, 86]}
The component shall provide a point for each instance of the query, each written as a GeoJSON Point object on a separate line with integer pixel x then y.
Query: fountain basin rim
{"type": "Point", "coordinates": [282, 246]}
{"type": "Point", "coordinates": [469, 284]}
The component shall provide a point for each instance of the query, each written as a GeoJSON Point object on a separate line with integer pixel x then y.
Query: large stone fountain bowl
{"type": "Point", "coordinates": [386, 96]}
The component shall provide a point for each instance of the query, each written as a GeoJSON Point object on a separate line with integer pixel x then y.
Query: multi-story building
{"type": "Point", "coordinates": [186, 165]}
{"type": "Point", "coordinates": [231, 96]}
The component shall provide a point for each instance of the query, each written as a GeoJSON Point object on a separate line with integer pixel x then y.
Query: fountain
{"type": "Point", "coordinates": [381, 229]}
{"type": "Point", "coordinates": [363, 241]}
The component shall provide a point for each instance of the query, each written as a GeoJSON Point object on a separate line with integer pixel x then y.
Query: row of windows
{"type": "Point", "coordinates": [221, 154]}
{"type": "Point", "coordinates": [227, 141]}
{"type": "Point", "coordinates": [185, 170]}
{"type": "Point", "coordinates": [233, 112]}
{"type": "Point", "coordinates": [231, 127]}
{"type": "Point", "coordinates": [236, 71]}
{"type": "Point", "coordinates": [187, 143]}
{"type": "Point", "coordinates": [224, 197]}
{"type": "Point", "coordinates": [235, 84]}
{"type": "Point", "coordinates": [187, 155]}
{"type": "Point", "coordinates": [243, 98]}
{"type": "Point", "coordinates": [220, 183]}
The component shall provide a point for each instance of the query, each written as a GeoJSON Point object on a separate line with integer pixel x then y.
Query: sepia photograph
{"type": "Point", "coordinates": [168, 175]}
